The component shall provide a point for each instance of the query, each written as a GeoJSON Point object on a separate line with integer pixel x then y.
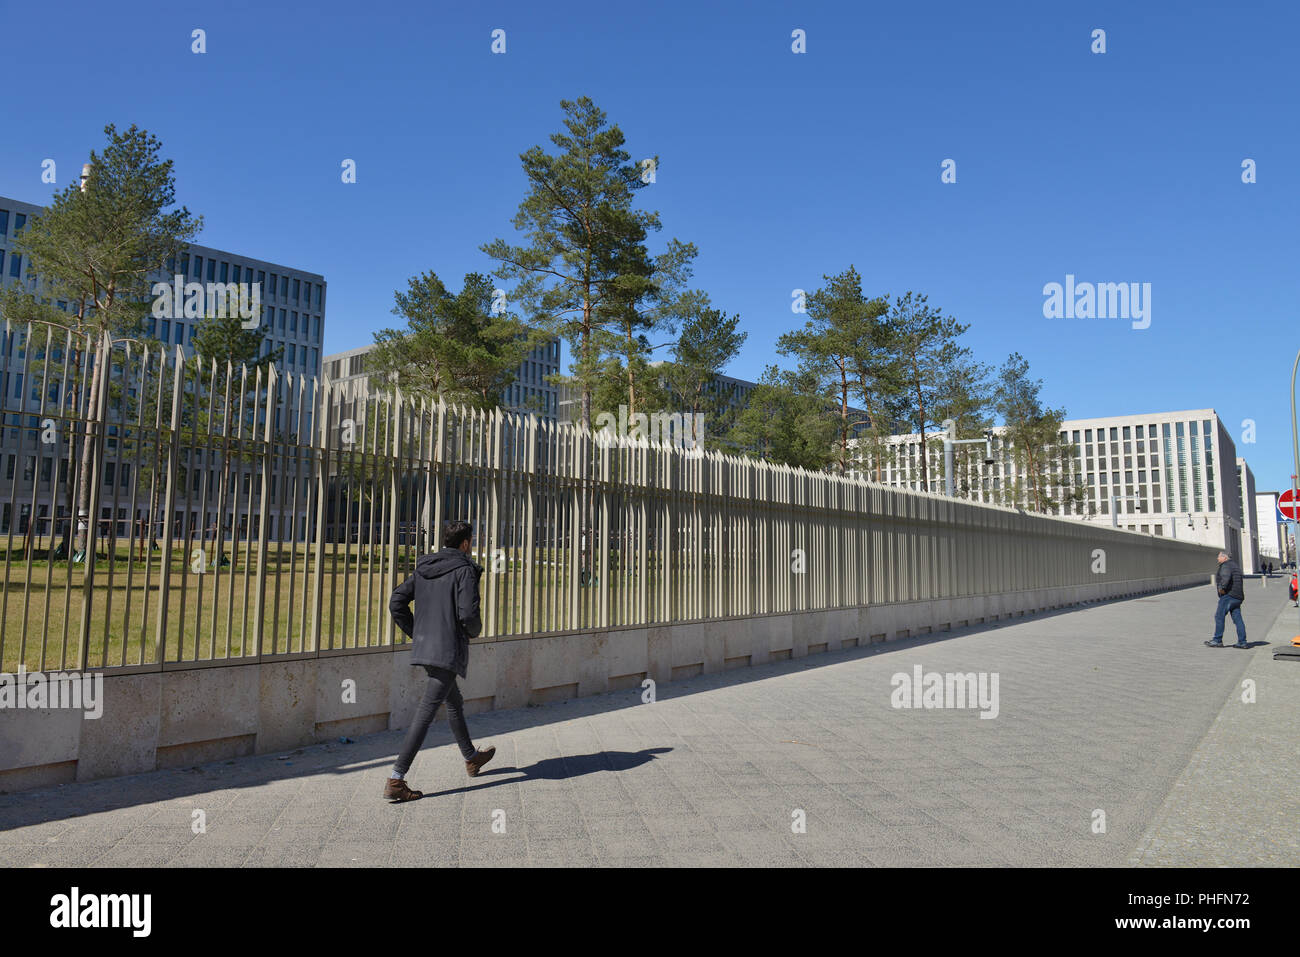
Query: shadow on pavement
{"type": "Point", "coordinates": [560, 769]}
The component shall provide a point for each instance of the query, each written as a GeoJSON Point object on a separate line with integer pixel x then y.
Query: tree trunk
{"type": "Point", "coordinates": [844, 421]}
{"type": "Point", "coordinates": [585, 371]}
{"type": "Point", "coordinates": [631, 376]}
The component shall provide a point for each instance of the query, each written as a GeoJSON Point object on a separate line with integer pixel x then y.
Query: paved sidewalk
{"type": "Point", "coordinates": [1099, 709]}
{"type": "Point", "coordinates": [1238, 801]}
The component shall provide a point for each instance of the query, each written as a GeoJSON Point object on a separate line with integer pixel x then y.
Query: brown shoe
{"type": "Point", "coordinates": [482, 757]}
{"type": "Point", "coordinates": [396, 791]}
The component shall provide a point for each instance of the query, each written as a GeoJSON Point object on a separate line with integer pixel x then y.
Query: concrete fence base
{"type": "Point", "coordinates": [210, 712]}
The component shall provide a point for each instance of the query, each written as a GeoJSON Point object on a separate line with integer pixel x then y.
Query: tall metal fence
{"type": "Point", "coordinates": [236, 513]}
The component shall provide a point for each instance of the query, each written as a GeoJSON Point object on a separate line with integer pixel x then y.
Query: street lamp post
{"type": "Point", "coordinates": [1295, 440]}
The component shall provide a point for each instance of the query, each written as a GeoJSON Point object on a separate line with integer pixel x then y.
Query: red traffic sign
{"type": "Point", "coordinates": [1288, 506]}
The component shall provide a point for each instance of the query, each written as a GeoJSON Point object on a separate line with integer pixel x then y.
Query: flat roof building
{"type": "Point", "coordinates": [292, 303]}
{"type": "Point", "coordinates": [1249, 523]}
{"type": "Point", "coordinates": [530, 392]}
{"type": "Point", "coordinates": [292, 300]}
{"type": "Point", "coordinates": [1164, 473]}
{"type": "Point", "coordinates": [1273, 539]}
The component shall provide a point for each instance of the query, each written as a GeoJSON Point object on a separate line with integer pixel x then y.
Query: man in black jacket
{"type": "Point", "coordinates": [1227, 580]}
{"type": "Point", "coordinates": [445, 590]}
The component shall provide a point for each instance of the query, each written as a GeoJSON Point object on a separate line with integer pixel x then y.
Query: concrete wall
{"type": "Point", "coordinates": [212, 712]}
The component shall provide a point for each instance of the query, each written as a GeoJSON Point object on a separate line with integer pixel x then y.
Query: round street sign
{"type": "Point", "coordinates": [1288, 506]}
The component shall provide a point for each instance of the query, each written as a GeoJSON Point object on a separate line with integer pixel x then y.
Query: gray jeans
{"type": "Point", "coordinates": [441, 687]}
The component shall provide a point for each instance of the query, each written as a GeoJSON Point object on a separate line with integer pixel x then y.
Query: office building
{"type": "Point", "coordinates": [1273, 538]}
{"type": "Point", "coordinates": [1249, 521]}
{"type": "Point", "coordinates": [292, 303]}
{"type": "Point", "coordinates": [292, 300]}
{"type": "Point", "coordinates": [733, 393]}
{"type": "Point", "coordinates": [1168, 473]}
{"type": "Point", "coordinates": [530, 392]}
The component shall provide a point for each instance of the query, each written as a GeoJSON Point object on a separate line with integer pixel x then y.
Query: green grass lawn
{"type": "Point", "coordinates": [213, 614]}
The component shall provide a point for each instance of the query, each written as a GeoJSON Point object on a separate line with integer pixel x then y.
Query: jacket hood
{"type": "Point", "coordinates": [443, 562]}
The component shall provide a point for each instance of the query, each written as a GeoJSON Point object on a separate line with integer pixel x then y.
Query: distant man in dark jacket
{"type": "Point", "coordinates": [445, 590]}
{"type": "Point", "coordinates": [1227, 580]}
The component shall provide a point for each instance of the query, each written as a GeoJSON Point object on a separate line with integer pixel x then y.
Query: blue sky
{"type": "Point", "coordinates": [1118, 167]}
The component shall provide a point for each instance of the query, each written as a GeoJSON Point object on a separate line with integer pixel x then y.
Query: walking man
{"type": "Point", "coordinates": [1227, 579]}
{"type": "Point", "coordinates": [445, 590]}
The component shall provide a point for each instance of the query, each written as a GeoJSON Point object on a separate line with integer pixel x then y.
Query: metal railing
{"type": "Point", "coordinates": [243, 513]}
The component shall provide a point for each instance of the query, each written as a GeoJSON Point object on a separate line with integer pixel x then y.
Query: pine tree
{"type": "Point", "coordinates": [96, 247]}
{"type": "Point", "coordinates": [586, 268]}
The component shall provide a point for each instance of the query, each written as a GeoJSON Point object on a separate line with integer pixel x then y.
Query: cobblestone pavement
{"type": "Point", "coordinates": [1115, 709]}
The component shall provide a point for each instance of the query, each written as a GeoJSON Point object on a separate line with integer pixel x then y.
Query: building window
{"type": "Point", "coordinates": [15, 265]}
{"type": "Point", "coordinates": [225, 272]}
{"type": "Point", "coordinates": [284, 287]}
{"type": "Point", "coordinates": [296, 284]}
{"type": "Point", "coordinates": [212, 270]}
{"type": "Point", "coordinates": [1196, 470]}
{"type": "Point", "coordinates": [20, 220]}
{"type": "Point", "coordinates": [4, 222]}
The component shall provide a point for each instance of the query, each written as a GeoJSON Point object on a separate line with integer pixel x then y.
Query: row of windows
{"type": "Point", "coordinates": [123, 527]}
{"type": "Point", "coordinates": [1102, 484]}
{"type": "Point", "coordinates": [29, 468]}
{"type": "Point", "coordinates": [520, 396]}
{"type": "Point", "coordinates": [119, 474]}
{"type": "Point", "coordinates": [530, 370]}
{"type": "Point", "coordinates": [296, 356]}
{"type": "Point", "coordinates": [535, 372]}
{"type": "Point", "coordinates": [1128, 432]}
{"type": "Point", "coordinates": [291, 325]}
{"type": "Point", "coordinates": [288, 325]}
{"type": "Point", "coordinates": [300, 291]}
